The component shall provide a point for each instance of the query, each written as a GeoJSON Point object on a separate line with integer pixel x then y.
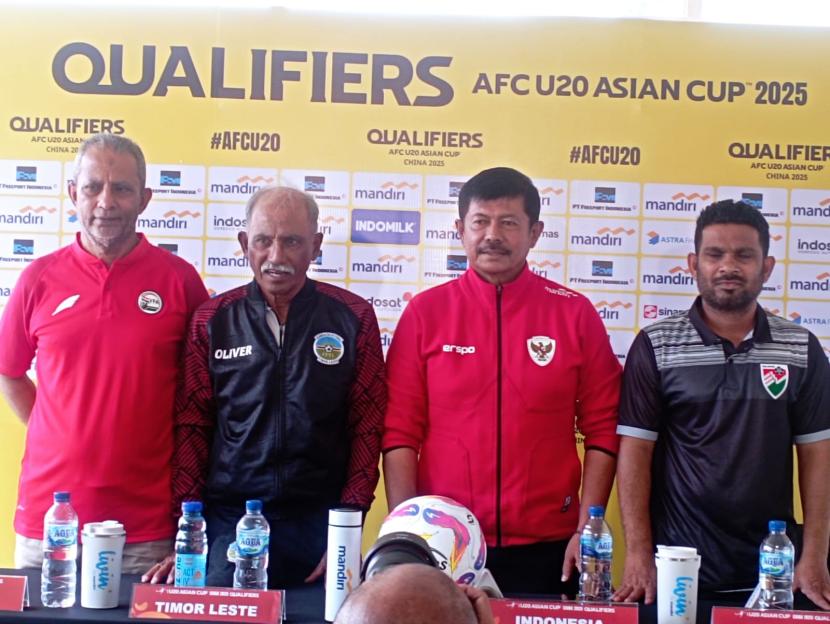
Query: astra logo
{"type": "Point", "coordinates": [23, 247]}
{"type": "Point", "coordinates": [795, 317]}
{"type": "Point", "coordinates": [25, 174]}
{"type": "Point", "coordinates": [170, 178]}
{"type": "Point", "coordinates": [602, 268]}
{"type": "Point", "coordinates": [605, 194]}
{"type": "Point", "coordinates": [456, 262]}
{"type": "Point", "coordinates": [653, 238]}
{"type": "Point", "coordinates": [173, 248]}
{"type": "Point", "coordinates": [455, 189]}
{"type": "Point", "coordinates": [314, 184]}
{"type": "Point", "coordinates": [756, 200]}
{"type": "Point", "coordinates": [397, 227]}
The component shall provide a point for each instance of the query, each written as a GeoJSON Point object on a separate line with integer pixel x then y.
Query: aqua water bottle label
{"type": "Point", "coordinates": [252, 542]}
{"type": "Point", "coordinates": [604, 547]}
{"type": "Point", "coordinates": [61, 535]}
{"type": "Point", "coordinates": [775, 564]}
{"type": "Point", "coordinates": [587, 546]}
{"type": "Point", "coordinates": [190, 570]}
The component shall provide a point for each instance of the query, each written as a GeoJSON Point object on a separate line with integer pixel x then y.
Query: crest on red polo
{"type": "Point", "coordinates": [541, 349]}
{"type": "Point", "coordinates": [775, 378]}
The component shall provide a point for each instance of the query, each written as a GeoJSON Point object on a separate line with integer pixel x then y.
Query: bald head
{"type": "Point", "coordinates": [277, 196]}
{"type": "Point", "coordinates": [410, 593]}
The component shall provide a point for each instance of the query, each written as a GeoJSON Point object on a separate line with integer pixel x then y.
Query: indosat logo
{"type": "Point", "coordinates": [677, 275]}
{"type": "Point", "coordinates": [392, 304]}
{"type": "Point", "coordinates": [604, 237]}
{"type": "Point", "coordinates": [820, 284]}
{"type": "Point", "coordinates": [170, 220]}
{"type": "Point", "coordinates": [396, 227]}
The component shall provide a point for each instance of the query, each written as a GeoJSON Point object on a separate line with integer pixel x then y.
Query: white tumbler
{"type": "Point", "coordinates": [677, 572]}
{"type": "Point", "coordinates": [103, 546]}
{"type": "Point", "coordinates": [343, 558]}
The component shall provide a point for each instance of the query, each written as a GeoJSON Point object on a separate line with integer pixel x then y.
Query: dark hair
{"type": "Point", "coordinates": [496, 183]}
{"type": "Point", "coordinates": [730, 211]}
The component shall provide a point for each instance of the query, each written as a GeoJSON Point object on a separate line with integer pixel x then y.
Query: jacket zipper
{"type": "Point", "coordinates": [498, 415]}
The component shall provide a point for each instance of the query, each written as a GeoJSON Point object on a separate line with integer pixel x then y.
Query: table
{"type": "Point", "coordinates": [303, 605]}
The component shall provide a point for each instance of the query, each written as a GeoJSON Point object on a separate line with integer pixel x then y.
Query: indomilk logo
{"type": "Point", "coordinates": [170, 178]}
{"type": "Point", "coordinates": [23, 247]}
{"type": "Point", "coordinates": [314, 184]}
{"type": "Point", "coordinates": [401, 227]}
{"type": "Point", "coordinates": [602, 268]}
{"type": "Point", "coordinates": [605, 194]}
{"type": "Point", "coordinates": [25, 174]}
{"type": "Point", "coordinates": [756, 200]}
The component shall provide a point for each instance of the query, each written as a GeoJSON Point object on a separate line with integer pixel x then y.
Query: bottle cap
{"type": "Point", "coordinates": [61, 497]}
{"type": "Point", "coordinates": [192, 507]}
{"type": "Point", "coordinates": [777, 525]}
{"type": "Point", "coordinates": [596, 511]}
{"type": "Point", "coordinates": [344, 517]}
{"type": "Point", "coordinates": [253, 506]}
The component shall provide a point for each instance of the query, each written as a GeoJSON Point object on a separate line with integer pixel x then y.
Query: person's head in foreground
{"type": "Point", "coordinates": [414, 593]}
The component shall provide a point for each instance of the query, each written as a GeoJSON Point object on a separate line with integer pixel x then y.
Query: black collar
{"type": "Point", "coordinates": [760, 333]}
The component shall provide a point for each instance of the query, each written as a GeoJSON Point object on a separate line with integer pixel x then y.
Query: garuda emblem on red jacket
{"type": "Point", "coordinates": [541, 349]}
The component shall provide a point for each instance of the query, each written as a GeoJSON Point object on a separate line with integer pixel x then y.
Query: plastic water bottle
{"type": "Point", "coordinates": [252, 538]}
{"type": "Point", "coordinates": [191, 547]}
{"type": "Point", "coordinates": [596, 547]}
{"type": "Point", "coordinates": [775, 568]}
{"type": "Point", "coordinates": [60, 550]}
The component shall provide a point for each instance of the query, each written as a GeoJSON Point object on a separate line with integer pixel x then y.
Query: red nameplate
{"type": "Point", "coordinates": [206, 604]}
{"type": "Point", "coordinates": [736, 615]}
{"type": "Point", "coordinates": [12, 593]}
{"type": "Point", "coordinates": [508, 610]}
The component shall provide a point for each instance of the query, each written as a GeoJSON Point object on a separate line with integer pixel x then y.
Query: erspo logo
{"type": "Point", "coordinates": [25, 174]}
{"type": "Point", "coordinates": [396, 227]}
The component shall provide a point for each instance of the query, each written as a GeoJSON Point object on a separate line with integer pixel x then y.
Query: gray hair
{"type": "Point", "coordinates": [284, 194]}
{"type": "Point", "coordinates": [116, 143]}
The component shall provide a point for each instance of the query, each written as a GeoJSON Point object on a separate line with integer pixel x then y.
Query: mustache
{"type": "Point", "coordinates": [729, 278]}
{"type": "Point", "coordinates": [490, 248]}
{"type": "Point", "coordinates": [281, 268]}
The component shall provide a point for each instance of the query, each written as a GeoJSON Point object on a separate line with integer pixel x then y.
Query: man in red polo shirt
{"type": "Point", "coordinates": [106, 317]}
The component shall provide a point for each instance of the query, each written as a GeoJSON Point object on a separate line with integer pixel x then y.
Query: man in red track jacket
{"type": "Point", "coordinates": [488, 376]}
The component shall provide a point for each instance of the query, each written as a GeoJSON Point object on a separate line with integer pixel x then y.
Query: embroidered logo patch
{"type": "Point", "coordinates": [775, 378]}
{"type": "Point", "coordinates": [149, 302]}
{"type": "Point", "coordinates": [66, 304]}
{"type": "Point", "coordinates": [328, 347]}
{"type": "Point", "coordinates": [541, 349]}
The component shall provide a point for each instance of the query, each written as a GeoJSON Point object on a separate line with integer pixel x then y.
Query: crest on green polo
{"type": "Point", "coordinates": [328, 347]}
{"type": "Point", "coordinates": [775, 378]}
